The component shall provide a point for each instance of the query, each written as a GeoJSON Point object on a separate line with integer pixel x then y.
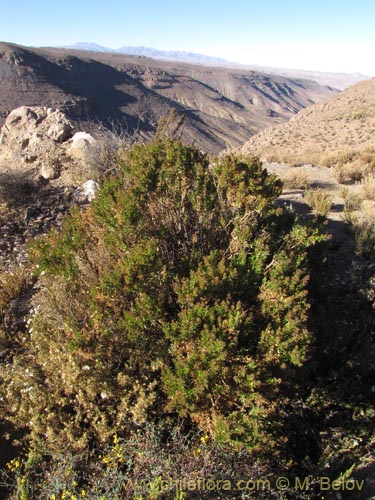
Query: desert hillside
{"type": "Point", "coordinates": [332, 132]}
{"type": "Point", "coordinates": [223, 107]}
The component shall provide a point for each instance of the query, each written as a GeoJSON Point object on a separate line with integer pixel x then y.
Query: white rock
{"type": "Point", "coordinates": [87, 191]}
{"type": "Point", "coordinates": [82, 138]}
{"type": "Point", "coordinates": [49, 172]}
{"type": "Point", "coordinates": [80, 144]}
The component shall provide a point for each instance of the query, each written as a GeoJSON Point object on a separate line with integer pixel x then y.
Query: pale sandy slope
{"type": "Point", "coordinates": [324, 133]}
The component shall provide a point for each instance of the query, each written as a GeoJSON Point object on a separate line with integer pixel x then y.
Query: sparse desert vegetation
{"type": "Point", "coordinates": [334, 133]}
{"type": "Point", "coordinates": [296, 179]}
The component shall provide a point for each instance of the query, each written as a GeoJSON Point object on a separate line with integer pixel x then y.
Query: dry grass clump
{"type": "Point", "coordinates": [297, 179]}
{"type": "Point", "coordinates": [364, 231]}
{"type": "Point", "coordinates": [368, 157]}
{"type": "Point", "coordinates": [350, 173]}
{"type": "Point", "coordinates": [353, 202]}
{"type": "Point", "coordinates": [359, 213]}
{"type": "Point", "coordinates": [319, 200]}
{"type": "Point", "coordinates": [368, 187]}
{"type": "Point", "coordinates": [337, 157]}
{"type": "Point", "coordinates": [13, 283]}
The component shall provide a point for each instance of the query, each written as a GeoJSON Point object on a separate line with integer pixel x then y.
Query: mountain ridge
{"type": "Point", "coordinates": [223, 107]}
{"type": "Point", "coordinates": [337, 80]}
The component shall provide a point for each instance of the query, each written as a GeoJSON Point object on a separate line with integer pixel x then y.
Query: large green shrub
{"type": "Point", "coordinates": [180, 292]}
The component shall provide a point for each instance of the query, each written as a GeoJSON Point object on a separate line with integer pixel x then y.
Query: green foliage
{"type": "Point", "coordinates": [180, 292]}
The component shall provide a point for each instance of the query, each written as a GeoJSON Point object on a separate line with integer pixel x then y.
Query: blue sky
{"type": "Point", "coordinates": [326, 35]}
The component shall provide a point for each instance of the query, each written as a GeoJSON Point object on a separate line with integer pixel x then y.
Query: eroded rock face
{"type": "Point", "coordinates": [34, 125]}
{"type": "Point", "coordinates": [32, 140]}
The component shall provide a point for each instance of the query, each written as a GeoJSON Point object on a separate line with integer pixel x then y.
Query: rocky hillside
{"type": "Point", "coordinates": [45, 168]}
{"type": "Point", "coordinates": [335, 130]}
{"type": "Point", "coordinates": [223, 107]}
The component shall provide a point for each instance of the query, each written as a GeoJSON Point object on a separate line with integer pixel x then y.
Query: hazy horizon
{"type": "Point", "coordinates": [318, 37]}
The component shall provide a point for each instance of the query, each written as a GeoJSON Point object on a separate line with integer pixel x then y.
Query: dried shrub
{"type": "Point", "coordinates": [368, 188]}
{"type": "Point", "coordinates": [350, 173]}
{"type": "Point", "coordinates": [338, 158]}
{"type": "Point", "coordinates": [353, 202]}
{"type": "Point", "coordinates": [157, 462]}
{"type": "Point", "coordinates": [319, 200]}
{"type": "Point", "coordinates": [364, 230]}
{"type": "Point", "coordinates": [297, 179]}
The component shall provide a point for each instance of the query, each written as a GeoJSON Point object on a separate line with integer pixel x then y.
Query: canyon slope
{"type": "Point", "coordinates": [337, 129]}
{"type": "Point", "coordinates": [223, 107]}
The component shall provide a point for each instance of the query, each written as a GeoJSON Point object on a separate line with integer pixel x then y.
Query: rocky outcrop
{"type": "Point", "coordinates": [31, 141]}
{"type": "Point", "coordinates": [35, 124]}
{"type": "Point", "coordinates": [39, 156]}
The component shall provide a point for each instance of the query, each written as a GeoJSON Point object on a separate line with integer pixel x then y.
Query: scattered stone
{"type": "Point", "coordinates": [30, 158]}
{"type": "Point", "coordinates": [86, 192]}
{"type": "Point", "coordinates": [49, 172]}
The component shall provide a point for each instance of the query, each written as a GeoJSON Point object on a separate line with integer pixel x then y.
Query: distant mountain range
{"type": "Point", "coordinates": [167, 55]}
{"type": "Point", "coordinates": [337, 80]}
